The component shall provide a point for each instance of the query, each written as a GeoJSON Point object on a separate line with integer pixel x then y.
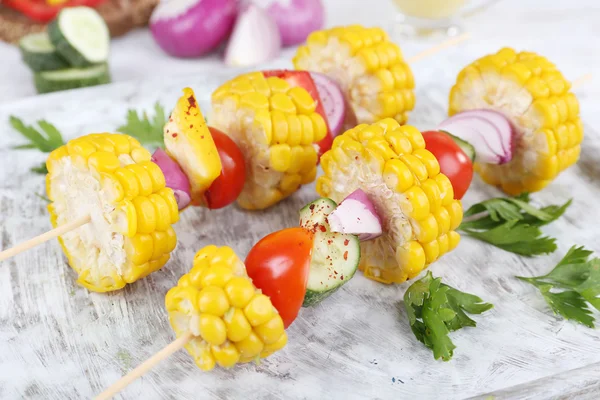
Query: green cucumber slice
{"type": "Point", "coordinates": [39, 54]}
{"type": "Point", "coordinates": [466, 147]}
{"type": "Point", "coordinates": [80, 36]}
{"type": "Point", "coordinates": [72, 78]}
{"type": "Point", "coordinates": [335, 256]}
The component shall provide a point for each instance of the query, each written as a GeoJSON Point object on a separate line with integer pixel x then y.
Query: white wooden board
{"type": "Point", "coordinates": [59, 341]}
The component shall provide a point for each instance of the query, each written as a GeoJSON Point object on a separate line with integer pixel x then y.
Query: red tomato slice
{"type": "Point", "coordinates": [41, 11]}
{"type": "Point", "coordinates": [228, 186]}
{"type": "Point", "coordinates": [454, 163]}
{"type": "Point", "coordinates": [279, 265]}
{"type": "Point", "coordinates": [305, 81]}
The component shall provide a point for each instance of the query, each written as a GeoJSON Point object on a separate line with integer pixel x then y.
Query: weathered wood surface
{"type": "Point", "coordinates": [59, 341]}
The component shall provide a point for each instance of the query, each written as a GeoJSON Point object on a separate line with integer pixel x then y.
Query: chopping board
{"type": "Point", "coordinates": [60, 341]}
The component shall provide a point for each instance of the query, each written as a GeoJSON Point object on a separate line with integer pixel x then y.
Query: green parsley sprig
{"type": "Point", "coordinates": [512, 224]}
{"type": "Point", "coordinates": [571, 285]}
{"type": "Point", "coordinates": [148, 130]}
{"type": "Point", "coordinates": [435, 309]}
{"type": "Point", "coordinates": [47, 138]}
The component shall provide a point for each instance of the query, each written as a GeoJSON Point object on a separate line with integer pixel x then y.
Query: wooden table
{"type": "Point", "coordinates": [59, 341]}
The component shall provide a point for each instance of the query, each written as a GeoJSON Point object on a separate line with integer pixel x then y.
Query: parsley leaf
{"type": "Point", "coordinates": [512, 224]}
{"type": "Point", "coordinates": [47, 139]}
{"type": "Point", "coordinates": [149, 131]}
{"type": "Point", "coordinates": [571, 285]}
{"type": "Point", "coordinates": [434, 309]}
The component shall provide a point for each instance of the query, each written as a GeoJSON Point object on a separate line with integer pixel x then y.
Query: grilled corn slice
{"type": "Point", "coordinates": [369, 69]}
{"type": "Point", "coordinates": [276, 127]}
{"type": "Point", "coordinates": [189, 142]}
{"type": "Point", "coordinates": [534, 95]}
{"type": "Point", "coordinates": [232, 321]}
{"type": "Point", "coordinates": [415, 201]}
{"type": "Point", "coordinates": [111, 178]}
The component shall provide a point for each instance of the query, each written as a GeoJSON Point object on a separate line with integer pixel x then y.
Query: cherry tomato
{"type": "Point", "coordinates": [305, 81]}
{"type": "Point", "coordinates": [454, 163]}
{"type": "Point", "coordinates": [228, 186]}
{"type": "Point", "coordinates": [278, 265]}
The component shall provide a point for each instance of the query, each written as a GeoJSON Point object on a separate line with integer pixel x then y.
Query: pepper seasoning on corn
{"type": "Point", "coordinates": [531, 92]}
{"type": "Point", "coordinates": [231, 320]}
{"type": "Point", "coordinates": [368, 67]}
{"type": "Point", "coordinates": [276, 127]}
{"type": "Point", "coordinates": [110, 178]}
{"type": "Point", "coordinates": [415, 201]}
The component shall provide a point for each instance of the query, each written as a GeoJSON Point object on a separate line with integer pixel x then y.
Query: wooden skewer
{"type": "Point", "coordinates": [444, 45]}
{"type": "Point", "coordinates": [580, 81]}
{"type": "Point", "coordinates": [145, 367]}
{"type": "Point", "coordinates": [61, 230]}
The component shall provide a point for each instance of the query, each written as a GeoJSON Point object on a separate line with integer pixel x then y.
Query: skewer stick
{"type": "Point", "coordinates": [61, 230]}
{"type": "Point", "coordinates": [444, 45]}
{"type": "Point", "coordinates": [145, 367]}
{"type": "Point", "coordinates": [580, 81]}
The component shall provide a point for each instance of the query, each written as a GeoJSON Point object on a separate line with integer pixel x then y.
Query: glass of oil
{"type": "Point", "coordinates": [427, 17]}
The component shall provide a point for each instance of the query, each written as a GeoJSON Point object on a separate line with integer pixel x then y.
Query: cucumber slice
{"type": "Point", "coordinates": [80, 36]}
{"type": "Point", "coordinates": [468, 149]}
{"type": "Point", "coordinates": [39, 54]}
{"type": "Point", "coordinates": [63, 79]}
{"type": "Point", "coordinates": [335, 256]}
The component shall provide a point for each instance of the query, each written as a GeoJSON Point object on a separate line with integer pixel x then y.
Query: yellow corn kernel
{"type": "Point", "coordinates": [103, 161]}
{"type": "Point", "coordinates": [120, 143]}
{"type": "Point", "coordinates": [415, 166]}
{"type": "Point", "coordinates": [259, 310]}
{"type": "Point", "coordinates": [182, 299]}
{"type": "Point", "coordinates": [444, 220]}
{"type": "Point", "coordinates": [250, 346]}
{"type": "Point", "coordinates": [139, 248]}
{"type": "Point", "coordinates": [278, 345]}
{"type": "Point", "coordinates": [280, 157]}
{"type": "Point", "coordinates": [415, 137]}
{"type": "Point", "coordinates": [143, 179]}
{"type": "Point", "coordinates": [262, 118]}
{"type": "Point", "coordinates": [125, 217]}
{"type": "Point", "coordinates": [161, 208]}
{"type": "Point", "coordinates": [146, 215]}
{"type": "Point", "coordinates": [128, 181]}
{"type": "Point", "coordinates": [432, 251]}
{"type": "Point", "coordinates": [297, 160]}
{"type": "Point", "coordinates": [446, 190]}
{"type": "Point", "coordinates": [309, 176]}
{"type": "Point", "coordinates": [261, 86]}
{"type": "Point", "coordinates": [443, 244]}
{"type": "Point", "coordinates": [111, 187]}
{"type": "Point", "coordinates": [212, 329]}
{"type": "Point", "coordinates": [303, 101]}
{"type": "Point", "coordinates": [307, 130]}
{"type": "Point", "coordinates": [224, 255]}
{"type": "Point", "coordinates": [400, 143]}
{"type": "Point", "coordinates": [290, 183]}
{"type": "Point", "coordinates": [319, 127]}
{"type": "Point", "coordinates": [433, 193]}
{"type": "Point", "coordinates": [254, 101]}
{"type": "Point", "coordinates": [241, 86]}
{"type": "Point", "coordinates": [412, 258]}
{"type": "Point", "coordinates": [281, 102]}
{"type": "Point", "coordinates": [167, 194]}
{"type": "Point", "coordinates": [205, 360]}
{"type": "Point", "coordinates": [455, 211]}
{"type": "Point", "coordinates": [426, 229]}
{"type": "Point", "coordinates": [238, 327]}
{"type": "Point", "coordinates": [141, 155]}
{"type": "Point", "coordinates": [419, 202]}
{"type": "Point", "coordinates": [270, 331]}
{"type": "Point", "coordinates": [81, 147]}
{"type": "Point", "coordinates": [160, 241]}
{"type": "Point", "coordinates": [213, 300]}
{"type": "Point", "coordinates": [453, 240]}
{"type": "Point", "coordinates": [156, 175]}
{"type": "Point", "coordinates": [277, 85]}
{"type": "Point", "coordinates": [226, 355]}
{"type": "Point", "coordinates": [429, 160]}
{"type": "Point", "coordinates": [217, 275]}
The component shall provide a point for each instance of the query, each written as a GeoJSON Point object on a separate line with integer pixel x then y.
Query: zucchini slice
{"type": "Point", "coordinates": [80, 36]}
{"type": "Point", "coordinates": [72, 78]}
{"type": "Point", "coordinates": [39, 54]}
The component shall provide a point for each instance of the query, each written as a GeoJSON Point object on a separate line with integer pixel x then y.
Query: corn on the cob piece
{"type": "Point", "coordinates": [276, 127]}
{"type": "Point", "coordinates": [232, 321]}
{"type": "Point", "coordinates": [534, 95]}
{"type": "Point", "coordinates": [369, 69]}
{"type": "Point", "coordinates": [415, 201]}
{"type": "Point", "coordinates": [111, 178]}
{"type": "Point", "coordinates": [189, 142]}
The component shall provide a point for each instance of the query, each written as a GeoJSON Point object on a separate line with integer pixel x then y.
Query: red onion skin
{"type": "Point", "coordinates": [175, 178]}
{"type": "Point", "coordinates": [196, 32]}
{"type": "Point", "coordinates": [299, 10]}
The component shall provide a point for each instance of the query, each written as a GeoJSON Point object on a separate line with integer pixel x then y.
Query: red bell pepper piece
{"type": "Point", "coordinates": [41, 11]}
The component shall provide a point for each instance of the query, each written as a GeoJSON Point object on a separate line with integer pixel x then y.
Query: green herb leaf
{"type": "Point", "coordinates": [43, 197]}
{"type": "Point", "coordinates": [512, 224]}
{"type": "Point", "coordinates": [41, 169]}
{"type": "Point", "coordinates": [434, 309]}
{"type": "Point", "coordinates": [574, 281]}
{"type": "Point", "coordinates": [49, 140]}
{"type": "Point", "coordinates": [149, 131]}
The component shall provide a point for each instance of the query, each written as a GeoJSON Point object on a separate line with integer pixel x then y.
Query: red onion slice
{"type": "Point", "coordinates": [356, 215]}
{"type": "Point", "coordinates": [332, 100]}
{"type": "Point", "coordinates": [175, 178]}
